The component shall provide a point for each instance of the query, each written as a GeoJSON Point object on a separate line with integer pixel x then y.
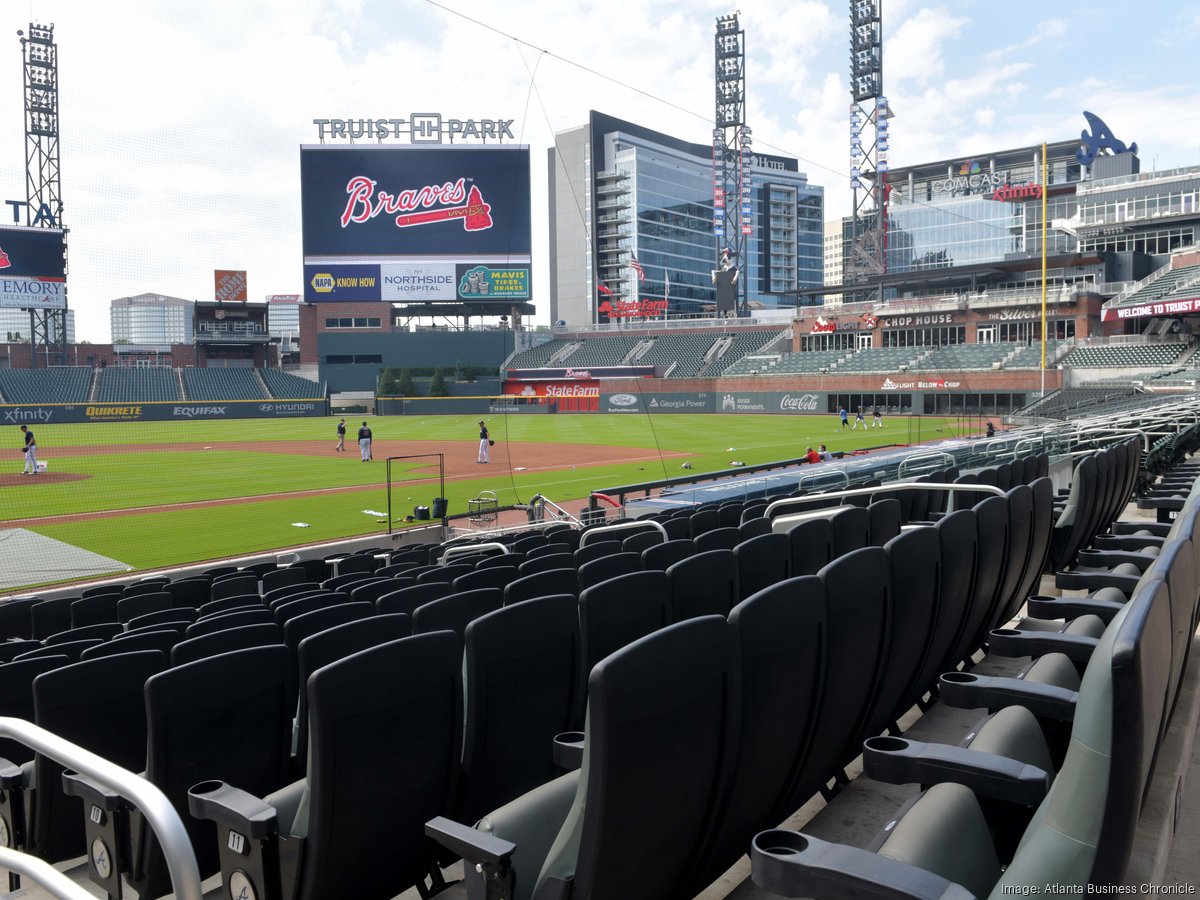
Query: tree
{"type": "Point", "coordinates": [387, 384]}
{"type": "Point", "coordinates": [437, 387]}
{"type": "Point", "coordinates": [404, 385]}
{"type": "Point", "coordinates": [459, 375]}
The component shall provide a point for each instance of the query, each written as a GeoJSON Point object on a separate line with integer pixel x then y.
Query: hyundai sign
{"type": "Point", "coordinates": [32, 273]}
{"type": "Point", "coordinates": [396, 201]}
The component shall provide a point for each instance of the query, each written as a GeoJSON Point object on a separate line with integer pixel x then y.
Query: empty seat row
{"type": "Point", "coordinates": [1005, 814]}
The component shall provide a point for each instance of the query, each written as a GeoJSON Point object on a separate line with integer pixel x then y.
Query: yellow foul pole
{"type": "Point", "coordinates": [1044, 185]}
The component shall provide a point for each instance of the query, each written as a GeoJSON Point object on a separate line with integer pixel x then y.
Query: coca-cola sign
{"type": "Point", "coordinates": [799, 402]}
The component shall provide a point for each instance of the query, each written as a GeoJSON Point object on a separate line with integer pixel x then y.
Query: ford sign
{"type": "Point", "coordinates": [623, 400]}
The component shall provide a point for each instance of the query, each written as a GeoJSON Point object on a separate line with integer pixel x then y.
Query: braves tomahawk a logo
{"type": "Point", "coordinates": [5, 262]}
{"type": "Point", "coordinates": [1101, 138]}
{"type": "Point", "coordinates": [419, 206]}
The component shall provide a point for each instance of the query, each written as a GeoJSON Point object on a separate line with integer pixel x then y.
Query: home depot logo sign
{"type": "Point", "coordinates": [229, 286]}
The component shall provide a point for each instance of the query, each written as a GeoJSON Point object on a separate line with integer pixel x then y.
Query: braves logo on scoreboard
{"type": "Point", "coordinates": [378, 203]}
{"type": "Point", "coordinates": [413, 207]}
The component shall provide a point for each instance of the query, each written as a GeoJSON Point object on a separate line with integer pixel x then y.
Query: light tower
{"type": "Point", "coordinates": [869, 116]}
{"type": "Point", "coordinates": [733, 207]}
{"type": "Point", "coordinates": [43, 185]}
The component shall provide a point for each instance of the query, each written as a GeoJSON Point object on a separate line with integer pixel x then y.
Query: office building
{"type": "Point", "coordinates": [619, 192]}
{"type": "Point", "coordinates": [152, 321]}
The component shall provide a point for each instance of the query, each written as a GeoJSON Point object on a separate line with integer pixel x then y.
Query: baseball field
{"type": "Point", "coordinates": [150, 494]}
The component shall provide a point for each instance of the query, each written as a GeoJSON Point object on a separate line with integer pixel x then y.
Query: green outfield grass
{"type": "Point", "coordinates": [128, 473]}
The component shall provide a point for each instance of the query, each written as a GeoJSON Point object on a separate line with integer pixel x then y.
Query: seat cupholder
{"type": "Point", "coordinates": [886, 744]}
{"type": "Point", "coordinates": [781, 842]}
{"type": "Point", "coordinates": [959, 678]}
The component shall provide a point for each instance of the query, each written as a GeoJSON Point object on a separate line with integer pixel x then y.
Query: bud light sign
{"type": "Point", "coordinates": [389, 201]}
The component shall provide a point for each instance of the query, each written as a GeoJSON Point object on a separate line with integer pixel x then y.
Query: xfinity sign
{"type": "Point", "coordinates": [420, 128]}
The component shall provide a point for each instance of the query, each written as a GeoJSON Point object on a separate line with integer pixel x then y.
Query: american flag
{"type": "Point", "coordinates": [637, 267]}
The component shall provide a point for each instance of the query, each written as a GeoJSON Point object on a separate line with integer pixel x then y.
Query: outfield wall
{"type": "Point", "coordinates": [158, 411]}
{"type": "Point", "coordinates": [458, 406]}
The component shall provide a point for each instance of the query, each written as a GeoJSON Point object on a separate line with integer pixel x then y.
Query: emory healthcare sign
{"type": "Point", "coordinates": [32, 275]}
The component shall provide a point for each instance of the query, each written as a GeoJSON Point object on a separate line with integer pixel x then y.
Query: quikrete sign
{"type": "Point", "coordinates": [420, 128]}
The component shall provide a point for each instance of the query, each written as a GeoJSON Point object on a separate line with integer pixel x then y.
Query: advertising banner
{"type": "Point", "coordinates": [328, 283]}
{"type": "Point", "coordinates": [417, 281]}
{"type": "Point", "coordinates": [32, 413]}
{"type": "Point", "coordinates": [393, 201]}
{"type": "Point", "coordinates": [32, 275]}
{"type": "Point", "coordinates": [229, 286]}
{"type": "Point", "coordinates": [479, 282]}
{"type": "Point", "coordinates": [759, 402]}
{"type": "Point", "coordinates": [581, 374]}
{"type": "Point", "coordinates": [1143, 310]}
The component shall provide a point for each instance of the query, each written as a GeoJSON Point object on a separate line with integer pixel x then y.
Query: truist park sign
{"type": "Point", "coordinates": [414, 222]}
{"type": "Point", "coordinates": [419, 128]}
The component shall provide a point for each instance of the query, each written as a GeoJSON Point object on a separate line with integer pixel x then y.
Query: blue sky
{"type": "Point", "coordinates": [181, 121]}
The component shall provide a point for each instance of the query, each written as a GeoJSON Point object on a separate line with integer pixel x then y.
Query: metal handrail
{"type": "Point", "coordinates": [149, 800]}
{"type": "Point", "coordinates": [622, 526]}
{"type": "Point", "coordinates": [936, 456]}
{"type": "Point", "coordinates": [43, 874]}
{"type": "Point", "coordinates": [883, 489]}
{"type": "Point", "coordinates": [1106, 432]}
{"type": "Point", "coordinates": [471, 550]}
{"type": "Point", "coordinates": [845, 479]}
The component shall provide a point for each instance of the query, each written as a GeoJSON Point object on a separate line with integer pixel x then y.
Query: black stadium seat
{"type": "Point", "coordinates": [94, 610]}
{"type": "Point", "coordinates": [336, 643]}
{"type": "Point", "coordinates": [225, 641]}
{"type": "Point", "coordinates": [408, 599]}
{"type": "Point", "coordinates": [543, 584]}
{"type": "Point", "coordinates": [761, 562]}
{"type": "Point", "coordinates": [702, 585]}
{"type": "Point", "coordinates": [256, 615]}
{"type": "Point", "coordinates": [456, 611]}
{"type": "Point", "coordinates": [522, 669]}
{"type": "Point", "coordinates": [680, 681]}
{"type": "Point", "coordinates": [223, 717]}
{"type": "Point", "coordinates": [161, 641]}
{"type": "Point", "coordinates": [617, 612]}
{"type": "Point", "coordinates": [410, 722]}
{"type": "Point", "coordinates": [99, 705]}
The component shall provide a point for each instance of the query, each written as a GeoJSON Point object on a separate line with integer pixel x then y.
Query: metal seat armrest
{"type": "Point", "coordinates": [106, 824]}
{"type": "Point", "coordinates": [966, 690]}
{"type": "Point", "coordinates": [11, 776]}
{"type": "Point", "coordinates": [1158, 529]}
{"type": "Point", "coordinates": [76, 785]}
{"type": "Point", "coordinates": [487, 859]}
{"type": "Point", "coordinates": [1072, 608]}
{"type": "Point", "coordinates": [1094, 581]}
{"type": "Point", "coordinates": [1012, 642]}
{"type": "Point", "coordinates": [247, 838]}
{"type": "Point", "coordinates": [233, 808]}
{"type": "Point", "coordinates": [790, 864]}
{"type": "Point", "coordinates": [1106, 559]}
{"type": "Point", "coordinates": [1131, 542]}
{"type": "Point", "coordinates": [896, 760]}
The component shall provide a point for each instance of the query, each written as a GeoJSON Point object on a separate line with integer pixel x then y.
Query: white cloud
{"type": "Point", "coordinates": [1046, 30]}
{"type": "Point", "coordinates": [181, 122]}
{"type": "Point", "coordinates": [915, 52]}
